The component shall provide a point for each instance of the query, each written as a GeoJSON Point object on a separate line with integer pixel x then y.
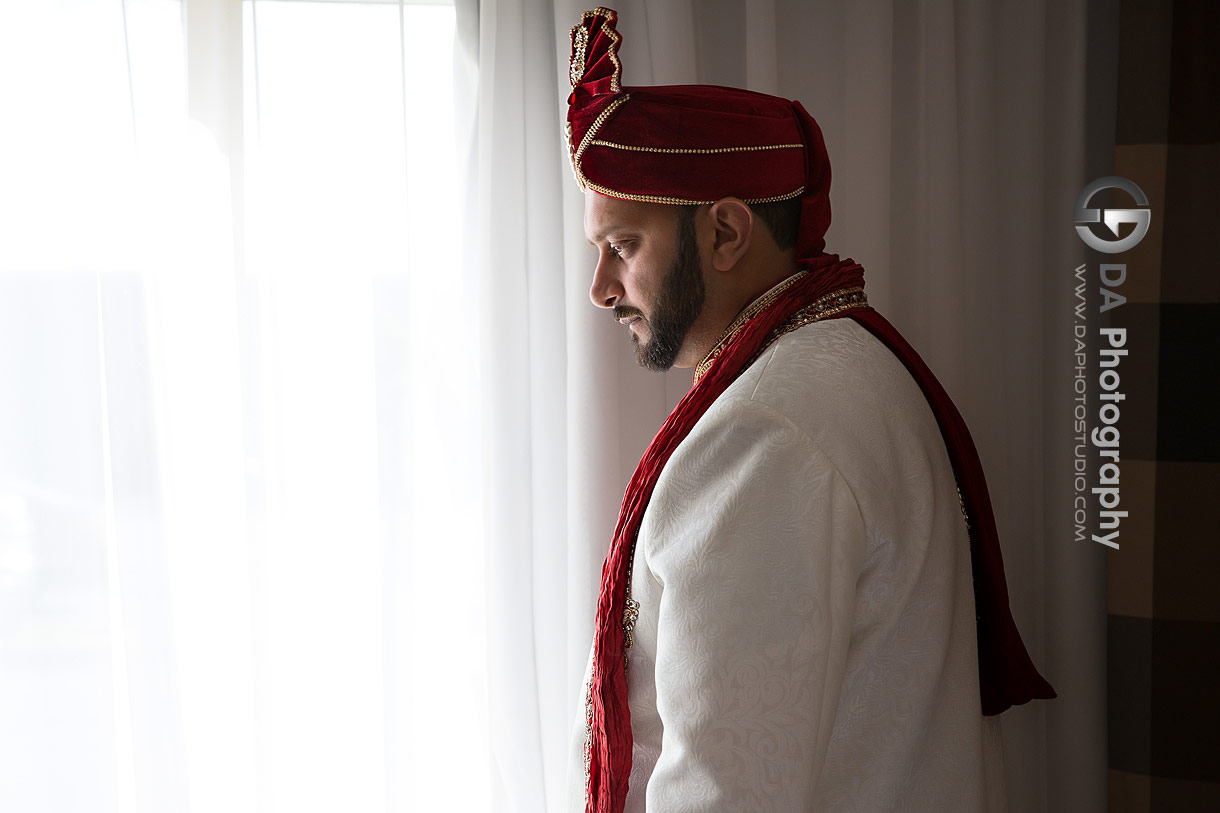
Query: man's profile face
{"type": "Point", "coordinates": [649, 273]}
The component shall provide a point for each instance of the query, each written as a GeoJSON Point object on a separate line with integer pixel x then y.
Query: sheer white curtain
{"type": "Point", "coordinates": [241, 560]}
{"type": "Point", "coordinates": [959, 134]}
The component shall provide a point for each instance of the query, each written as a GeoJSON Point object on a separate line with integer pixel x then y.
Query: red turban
{"type": "Point", "coordinates": [690, 144]}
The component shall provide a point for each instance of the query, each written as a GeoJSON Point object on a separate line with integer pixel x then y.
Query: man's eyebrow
{"type": "Point", "coordinates": [601, 235]}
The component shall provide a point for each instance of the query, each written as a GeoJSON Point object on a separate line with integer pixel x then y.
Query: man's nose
{"type": "Point", "coordinates": [606, 289]}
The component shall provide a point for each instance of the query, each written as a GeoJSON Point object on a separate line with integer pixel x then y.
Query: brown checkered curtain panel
{"type": "Point", "coordinates": [1164, 583]}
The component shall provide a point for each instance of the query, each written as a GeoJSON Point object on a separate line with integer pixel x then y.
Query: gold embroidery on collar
{"type": "Point", "coordinates": [823, 307]}
{"type": "Point", "coordinates": [753, 309]}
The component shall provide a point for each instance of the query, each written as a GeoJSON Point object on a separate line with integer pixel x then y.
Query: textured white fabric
{"type": "Point", "coordinates": [806, 638]}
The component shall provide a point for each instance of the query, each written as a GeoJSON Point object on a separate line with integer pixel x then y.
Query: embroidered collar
{"type": "Point", "coordinates": [749, 312]}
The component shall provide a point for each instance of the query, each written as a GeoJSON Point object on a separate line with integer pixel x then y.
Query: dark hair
{"type": "Point", "coordinates": [782, 218]}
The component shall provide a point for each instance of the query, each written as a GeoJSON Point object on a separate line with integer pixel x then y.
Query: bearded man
{"type": "Point", "coordinates": [803, 607]}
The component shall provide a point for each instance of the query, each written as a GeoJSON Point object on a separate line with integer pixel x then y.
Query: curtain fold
{"type": "Point", "coordinates": [959, 138]}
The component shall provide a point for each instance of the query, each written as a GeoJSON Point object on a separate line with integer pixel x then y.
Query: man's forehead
{"type": "Point", "coordinates": [605, 215]}
{"type": "Point", "coordinates": [600, 215]}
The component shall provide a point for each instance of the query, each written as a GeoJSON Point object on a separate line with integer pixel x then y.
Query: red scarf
{"type": "Point", "coordinates": [1006, 674]}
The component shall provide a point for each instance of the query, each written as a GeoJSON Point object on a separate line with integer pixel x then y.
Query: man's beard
{"type": "Point", "coordinates": [678, 304]}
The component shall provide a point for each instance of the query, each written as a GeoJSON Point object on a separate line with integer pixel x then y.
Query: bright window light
{"type": "Point", "coordinates": [240, 478]}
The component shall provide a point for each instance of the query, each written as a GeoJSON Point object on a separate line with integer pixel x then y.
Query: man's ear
{"type": "Point", "coordinates": [734, 224]}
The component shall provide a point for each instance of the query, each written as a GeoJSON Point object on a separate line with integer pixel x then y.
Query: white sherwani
{"type": "Point", "coordinates": [806, 633]}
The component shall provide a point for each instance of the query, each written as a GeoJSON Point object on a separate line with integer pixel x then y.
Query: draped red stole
{"type": "Point", "coordinates": [1006, 674]}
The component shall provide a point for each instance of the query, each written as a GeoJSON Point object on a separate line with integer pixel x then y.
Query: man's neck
{"type": "Point", "coordinates": [754, 306]}
{"type": "Point", "coordinates": [724, 308]}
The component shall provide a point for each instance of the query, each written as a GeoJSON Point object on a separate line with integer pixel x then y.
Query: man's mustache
{"type": "Point", "coordinates": [626, 312]}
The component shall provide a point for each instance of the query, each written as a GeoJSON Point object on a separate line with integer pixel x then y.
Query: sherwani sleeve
{"type": "Point", "coordinates": [755, 543]}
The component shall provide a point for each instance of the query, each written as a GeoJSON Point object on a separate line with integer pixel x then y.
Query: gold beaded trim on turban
{"type": "Point", "coordinates": [614, 193]}
{"type": "Point", "coordinates": [580, 44]}
{"type": "Point", "coordinates": [693, 150]}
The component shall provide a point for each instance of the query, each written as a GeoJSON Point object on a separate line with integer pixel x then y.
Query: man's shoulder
{"type": "Point", "coordinates": [838, 385]}
{"type": "Point", "coordinates": [824, 365]}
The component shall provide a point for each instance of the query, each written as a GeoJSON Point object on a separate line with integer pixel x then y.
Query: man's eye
{"type": "Point", "coordinates": [617, 249]}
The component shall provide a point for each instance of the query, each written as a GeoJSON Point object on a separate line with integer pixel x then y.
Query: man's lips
{"type": "Point", "coordinates": [627, 316]}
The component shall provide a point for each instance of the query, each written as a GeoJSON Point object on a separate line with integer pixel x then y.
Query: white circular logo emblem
{"type": "Point", "coordinates": [1141, 218]}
